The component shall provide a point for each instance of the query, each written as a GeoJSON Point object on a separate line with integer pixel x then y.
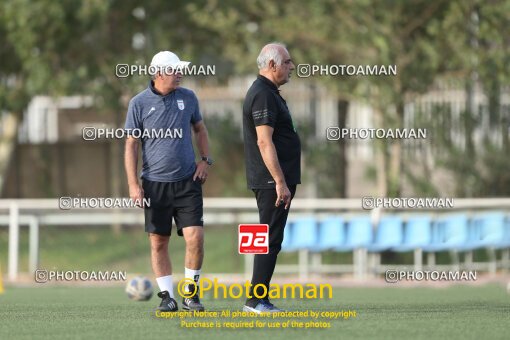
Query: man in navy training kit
{"type": "Point", "coordinates": [273, 157]}
{"type": "Point", "coordinates": [171, 178]}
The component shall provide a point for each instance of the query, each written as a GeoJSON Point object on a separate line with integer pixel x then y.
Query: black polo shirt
{"type": "Point", "coordinates": [263, 105]}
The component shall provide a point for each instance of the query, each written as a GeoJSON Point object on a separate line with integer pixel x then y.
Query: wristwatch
{"type": "Point", "coordinates": [208, 160]}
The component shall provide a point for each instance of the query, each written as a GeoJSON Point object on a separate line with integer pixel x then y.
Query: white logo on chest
{"type": "Point", "coordinates": [151, 110]}
{"type": "Point", "coordinates": [180, 104]}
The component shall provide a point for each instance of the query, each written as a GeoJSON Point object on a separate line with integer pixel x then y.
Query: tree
{"type": "Point", "coordinates": [74, 49]}
{"type": "Point", "coordinates": [343, 32]}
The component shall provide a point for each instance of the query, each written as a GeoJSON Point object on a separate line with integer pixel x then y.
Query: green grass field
{"type": "Point", "coordinates": [460, 312]}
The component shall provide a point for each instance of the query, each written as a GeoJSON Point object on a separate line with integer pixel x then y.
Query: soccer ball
{"type": "Point", "coordinates": [139, 289]}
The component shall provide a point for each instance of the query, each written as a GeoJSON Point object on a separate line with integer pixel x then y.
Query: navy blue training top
{"type": "Point", "coordinates": [164, 126]}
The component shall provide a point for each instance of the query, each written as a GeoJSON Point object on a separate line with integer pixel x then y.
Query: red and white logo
{"type": "Point", "coordinates": [253, 239]}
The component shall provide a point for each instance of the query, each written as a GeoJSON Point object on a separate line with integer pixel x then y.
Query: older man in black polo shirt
{"type": "Point", "coordinates": [273, 156]}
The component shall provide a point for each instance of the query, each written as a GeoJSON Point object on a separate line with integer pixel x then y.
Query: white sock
{"type": "Point", "coordinates": [166, 283]}
{"type": "Point", "coordinates": [193, 274]}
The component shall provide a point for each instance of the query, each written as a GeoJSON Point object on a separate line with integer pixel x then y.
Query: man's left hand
{"type": "Point", "coordinates": [201, 171]}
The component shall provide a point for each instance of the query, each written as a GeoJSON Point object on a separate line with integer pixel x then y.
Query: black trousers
{"type": "Point", "coordinates": [276, 218]}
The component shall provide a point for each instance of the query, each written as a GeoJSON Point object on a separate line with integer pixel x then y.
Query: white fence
{"type": "Point", "coordinates": [39, 212]}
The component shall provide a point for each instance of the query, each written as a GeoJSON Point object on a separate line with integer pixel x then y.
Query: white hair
{"type": "Point", "coordinates": [270, 52]}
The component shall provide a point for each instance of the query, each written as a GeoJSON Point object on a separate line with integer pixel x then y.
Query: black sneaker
{"type": "Point", "coordinates": [168, 304]}
{"type": "Point", "coordinates": [192, 303]}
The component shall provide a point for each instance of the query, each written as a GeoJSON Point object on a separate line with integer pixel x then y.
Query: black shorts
{"type": "Point", "coordinates": [181, 200]}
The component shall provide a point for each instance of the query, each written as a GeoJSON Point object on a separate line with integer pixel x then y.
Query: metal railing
{"type": "Point", "coordinates": [39, 212]}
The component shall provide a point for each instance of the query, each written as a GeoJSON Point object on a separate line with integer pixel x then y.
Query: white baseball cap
{"type": "Point", "coordinates": [168, 59]}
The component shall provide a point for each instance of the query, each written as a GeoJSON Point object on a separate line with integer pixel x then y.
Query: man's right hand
{"type": "Point", "coordinates": [136, 194]}
{"type": "Point", "coordinates": [283, 195]}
